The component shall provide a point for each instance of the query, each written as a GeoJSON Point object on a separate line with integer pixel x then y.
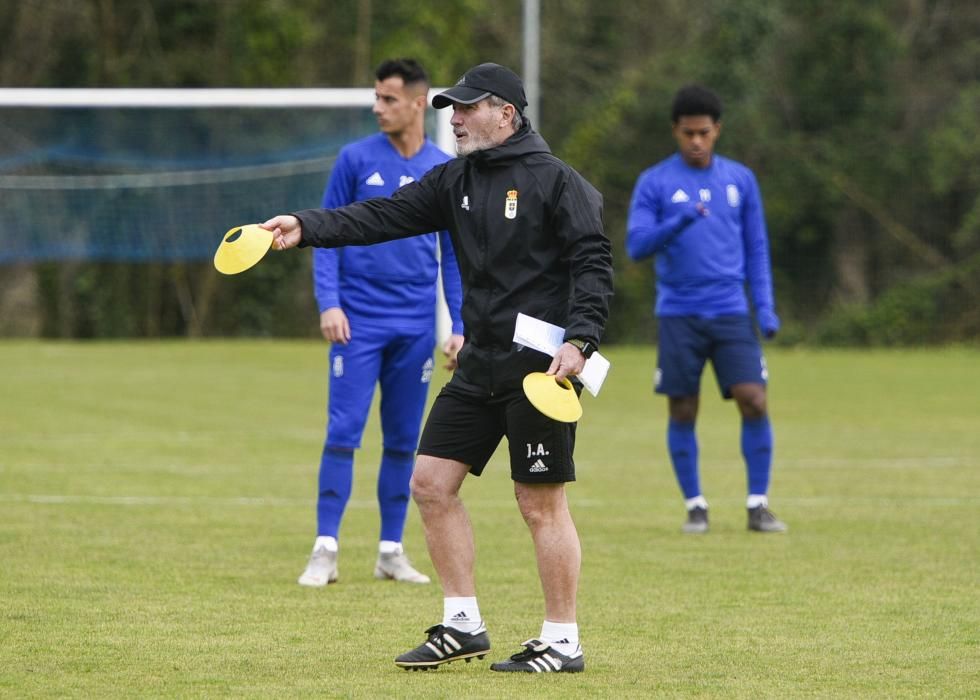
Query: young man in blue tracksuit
{"type": "Point", "coordinates": [377, 308]}
{"type": "Point", "coordinates": [701, 216]}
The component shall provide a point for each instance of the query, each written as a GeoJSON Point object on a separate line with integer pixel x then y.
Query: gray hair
{"type": "Point", "coordinates": [518, 121]}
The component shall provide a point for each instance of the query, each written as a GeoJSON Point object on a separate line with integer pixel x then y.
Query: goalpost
{"type": "Point", "coordinates": [256, 98]}
{"type": "Point", "coordinates": [115, 173]}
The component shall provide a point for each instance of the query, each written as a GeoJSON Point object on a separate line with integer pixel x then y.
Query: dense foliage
{"type": "Point", "coordinates": [860, 118]}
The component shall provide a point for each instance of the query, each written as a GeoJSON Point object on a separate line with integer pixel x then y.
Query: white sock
{"type": "Point", "coordinates": [389, 547]}
{"type": "Point", "coordinates": [326, 541]}
{"type": "Point", "coordinates": [696, 502]}
{"type": "Point", "coordinates": [563, 636]}
{"type": "Point", "coordinates": [755, 500]}
{"type": "Point", "coordinates": [462, 614]}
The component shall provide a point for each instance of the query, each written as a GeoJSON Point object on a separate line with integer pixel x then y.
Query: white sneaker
{"type": "Point", "coordinates": [397, 566]}
{"type": "Point", "coordinates": [321, 569]}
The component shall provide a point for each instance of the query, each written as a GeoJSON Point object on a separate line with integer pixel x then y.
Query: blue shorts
{"type": "Point", "coordinates": [687, 342]}
{"type": "Point", "coordinates": [401, 363]}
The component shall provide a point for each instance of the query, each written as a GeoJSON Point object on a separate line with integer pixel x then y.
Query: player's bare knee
{"type": "Point", "coordinates": [432, 484]}
{"type": "Point", "coordinates": [683, 409]}
{"type": "Point", "coordinates": [533, 516]}
{"type": "Point", "coordinates": [751, 400]}
{"type": "Point", "coordinates": [540, 504]}
{"type": "Point", "coordinates": [424, 488]}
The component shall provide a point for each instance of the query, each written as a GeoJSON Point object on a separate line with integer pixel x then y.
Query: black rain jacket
{"type": "Point", "coordinates": [528, 236]}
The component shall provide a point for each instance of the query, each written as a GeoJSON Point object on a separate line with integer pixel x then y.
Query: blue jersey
{"type": "Point", "coordinates": [393, 281]}
{"type": "Point", "coordinates": [702, 262]}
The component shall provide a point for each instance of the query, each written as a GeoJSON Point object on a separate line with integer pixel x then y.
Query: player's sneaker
{"type": "Point", "coordinates": [321, 569]}
{"type": "Point", "coordinates": [697, 521]}
{"type": "Point", "coordinates": [444, 645]}
{"type": "Point", "coordinates": [761, 519]}
{"type": "Point", "coordinates": [541, 657]}
{"type": "Point", "coordinates": [397, 566]}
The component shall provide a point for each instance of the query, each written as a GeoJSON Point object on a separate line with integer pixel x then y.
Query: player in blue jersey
{"type": "Point", "coordinates": [377, 308]}
{"type": "Point", "coordinates": [700, 215]}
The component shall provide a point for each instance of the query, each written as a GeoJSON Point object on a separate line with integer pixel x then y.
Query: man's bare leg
{"type": "Point", "coordinates": [449, 537]}
{"type": "Point", "coordinates": [559, 554]}
{"type": "Point", "coordinates": [448, 533]}
{"type": "Point", "coordinates": [556, 545]}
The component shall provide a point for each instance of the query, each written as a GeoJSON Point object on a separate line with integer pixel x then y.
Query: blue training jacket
{"type": "Point", "coordinates": [702, 262]}
{"type": "Point", "coordinates": [393, 281]}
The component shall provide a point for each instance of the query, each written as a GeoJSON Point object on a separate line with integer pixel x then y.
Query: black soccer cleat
{"type": "Point", "coordinates": [541, 657]}
{"type": "Point", "coordinates": [761, 519]}
{"type": "Point", "coordinates": [444, 645]}
{"type": "Point", "coordinates": [697, 521]}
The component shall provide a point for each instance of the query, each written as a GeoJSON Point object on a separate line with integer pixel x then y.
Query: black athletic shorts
{"type": "Point", "coordinates": [467, 427]}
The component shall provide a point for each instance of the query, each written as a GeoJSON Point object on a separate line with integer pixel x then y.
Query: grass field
{"type": "Point", "coordinates": [156, 507]}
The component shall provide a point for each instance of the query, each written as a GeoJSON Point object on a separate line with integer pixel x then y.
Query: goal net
{"type": "Point", "coordinates": [141, 174]}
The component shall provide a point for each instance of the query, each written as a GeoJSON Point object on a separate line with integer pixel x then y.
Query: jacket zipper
{"type": "Point", "coordinates": [487, 315]}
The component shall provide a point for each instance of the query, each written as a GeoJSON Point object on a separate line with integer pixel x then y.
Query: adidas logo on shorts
{"type": "Point", "coordinates": [538, 466]}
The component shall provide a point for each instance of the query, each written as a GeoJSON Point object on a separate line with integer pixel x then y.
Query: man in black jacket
{"type": "Point", "coordinates": [527, 231]}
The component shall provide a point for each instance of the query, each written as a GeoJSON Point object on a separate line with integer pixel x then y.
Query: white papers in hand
{"type": "Point", "coordinates": [547, 338]}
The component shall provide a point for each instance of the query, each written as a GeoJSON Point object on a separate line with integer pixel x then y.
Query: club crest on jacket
{"type": "Point", "coordinates": [510, 206]}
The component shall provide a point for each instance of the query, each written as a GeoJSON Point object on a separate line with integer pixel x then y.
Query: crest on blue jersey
{"type": "Point", "coordinates": [731, 191]}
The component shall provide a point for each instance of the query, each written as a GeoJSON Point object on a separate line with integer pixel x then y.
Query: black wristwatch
{"type": "Point", "coordinates": [584, 346]}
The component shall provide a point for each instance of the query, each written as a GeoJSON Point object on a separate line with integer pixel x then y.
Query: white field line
{"type": "Point", "coordinates": [473, 503]}
{"type": "Point", "coordinates": [242, 501]}
{"type": "Point", "coordinates": [63, 499]}
{"type": "Point", "coordinates": [965, 461]}
{"type": "Point", "coordinates": [932, 462]}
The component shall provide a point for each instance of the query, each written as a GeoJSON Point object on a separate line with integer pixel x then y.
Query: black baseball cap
{"type": "Point", "coordinates": [482, 81]}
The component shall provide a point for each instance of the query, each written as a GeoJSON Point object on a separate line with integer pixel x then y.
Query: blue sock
{"type": "Point", "coordinates": [336, 479]}
{"type": "Point", "coordinates": [757, 450]}
{"type": "Point", "coordinates": [683, 446]}
{"type": "Point", "coordinates": [393, 492]}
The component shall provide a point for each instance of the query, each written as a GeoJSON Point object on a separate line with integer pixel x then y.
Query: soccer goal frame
{"type": "Point", "coordinates": [213, 97]}
{"type": "Point", "coordinates": [203, 98]}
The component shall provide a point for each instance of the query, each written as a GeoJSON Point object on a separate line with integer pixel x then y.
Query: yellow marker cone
{"type": "Point", "coordinates": [241, 248]}
{"type": "Point", "coordinates": [557, 401]}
